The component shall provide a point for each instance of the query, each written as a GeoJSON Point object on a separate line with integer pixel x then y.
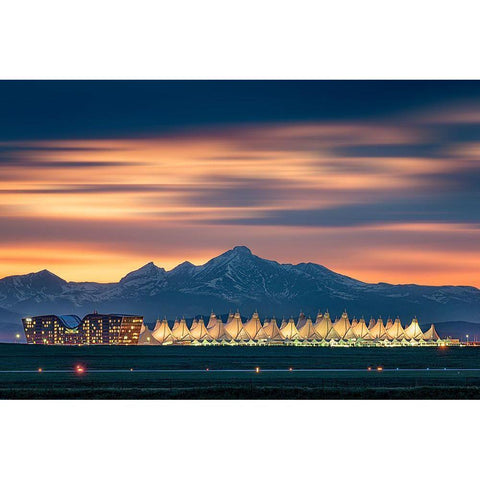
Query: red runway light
{"type": "Point", "coordinates": [290, 369]}
{"type": "Point", "coordinates": [369, 368]}
{"type": "Point", "coordinates": [80, 369]}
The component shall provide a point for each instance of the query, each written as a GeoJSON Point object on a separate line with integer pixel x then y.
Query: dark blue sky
{"type": "Point", "coordinates": [99, 109]}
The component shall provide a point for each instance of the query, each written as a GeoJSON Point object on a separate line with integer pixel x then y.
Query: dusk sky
{"type": "Point", "coordinates": [375, 180]}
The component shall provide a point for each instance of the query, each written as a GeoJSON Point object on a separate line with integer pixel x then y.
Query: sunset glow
{"type": "Point", "coordinates": [392, 198]}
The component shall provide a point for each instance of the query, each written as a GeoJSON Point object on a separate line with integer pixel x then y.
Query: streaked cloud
{"type": "Point", "coordinates": [357, 195]}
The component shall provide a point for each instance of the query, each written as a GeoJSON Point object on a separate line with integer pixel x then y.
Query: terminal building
{"type": "Point", "coordinates": [322, 331]}
{"type": "Point", "coordinates": [94, 329]}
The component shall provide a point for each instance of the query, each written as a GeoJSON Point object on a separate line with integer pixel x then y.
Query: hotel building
{"type": "Point", "coordinates": [94, 329]}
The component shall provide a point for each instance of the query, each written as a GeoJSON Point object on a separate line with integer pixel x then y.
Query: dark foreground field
{"type": "Point", "coordinates": [229, 372]}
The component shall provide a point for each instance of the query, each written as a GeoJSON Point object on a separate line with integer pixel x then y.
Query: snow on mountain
{"type": "Point", "coordinates": [235, 279]}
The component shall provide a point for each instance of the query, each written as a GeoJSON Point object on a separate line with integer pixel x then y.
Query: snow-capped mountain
{"type": "Point", "coordinates": [235, 279]}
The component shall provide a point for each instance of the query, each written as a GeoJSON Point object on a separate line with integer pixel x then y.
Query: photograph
{"type": "Point", "coordinates": [239, 239]}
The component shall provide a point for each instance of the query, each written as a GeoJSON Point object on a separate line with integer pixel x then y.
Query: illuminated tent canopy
{"type": "Point", "coordinates": [272, 331]}
{"type": "Point", "coordinates": [343, 328]}
{"type": "Point", "coordinates": [180, 331]}
{"type": "Point", "coordinates": [254, 328]}
{"type": "Point", "coordinates": [342, 332]}
{"type": "Point", "coordinates": [162, 332]}
{"type": "Point", "coordinates": [378, 332]}
{"type": "Point", "coordinates": [289, 330]}
{"type": "Point", "coordinates": [199, 331]}
{"type": "Point", "coordinates": [396, 332]}
{"type": "Point", "coordinates": [413, 331]}
{"type": "Point", "coordinates": [431, 334]}
{"type": "Point", "coordinates": [360, 330]}
{"type": "Point", "coordinates": [307, 332]}
{"type": "Point", "coordinates": [234, 328]}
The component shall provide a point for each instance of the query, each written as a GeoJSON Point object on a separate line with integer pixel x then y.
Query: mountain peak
{"type": "Point", "coordinates": [149, 270]}
{"type": "Point", "coordinates": [242, 249]}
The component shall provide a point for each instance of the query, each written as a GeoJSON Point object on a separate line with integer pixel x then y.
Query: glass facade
{"type": "Point", "coordinates": [94, 329]}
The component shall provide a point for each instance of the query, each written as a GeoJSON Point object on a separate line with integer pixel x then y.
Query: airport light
{"type": "Point", "coordinates": [257, 369]}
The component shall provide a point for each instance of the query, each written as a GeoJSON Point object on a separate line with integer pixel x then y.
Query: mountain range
{"type": "Point", "coordinates": [236, 279]}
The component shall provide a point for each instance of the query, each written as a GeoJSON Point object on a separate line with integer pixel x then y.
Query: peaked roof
{"type": "Point", "coordinates": [234, 327]}
{"type": "Point", "coordinates": [354, 322]}
{"type": "Point", "coordinates": [413, 331]}
{"type": "Point", "coordinates": [302, 320]}
{"type": "Point", "coordinates": [324, 327]}
{"type": "Point", "coordinates": [307, 332]}
{"type": "Point", "coordinates": [217, 330]}
{"type": "Point", "coordinates": [431, 334]}
{"type": "Point", "coordinates": [343, 328]}
{"type": "Point", "coordinates": [371, 323]}
{"type": "Point", "coordinates": [360, 330]}
{"type": "Point", "coordinates": [284, 323]}
{"type": "Point", "coordinates": [272, 331]}
{"type": "Point", "coordinates": [181, 332]}
{"type": "Point", "coordinates": [162, 332]}
{"type": "Point", "coordinates": [194, 323]}
{"type": "Point", "coordinates": [254, 328]}
{"type": "Point", "coordinates": [199, 331]}
{"type": "Point", "coordinates": [212, 320]}
{"type": "Point", "coordinates": [378, 331]}
{"type": "Point", "coordinates": [396, 332]}
{"type": "Point", "coordinates": [389, 323]}
{"type": "Point", "coordinates": [289, 331]}
{"type": "Point", "coordinates": [146, 337]}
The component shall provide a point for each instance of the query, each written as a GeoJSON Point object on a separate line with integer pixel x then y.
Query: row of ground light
{"type": "Point", "coordinates": [305, 331]}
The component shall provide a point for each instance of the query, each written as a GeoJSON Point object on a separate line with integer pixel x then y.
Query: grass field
{"type": "Point", "coordinates": [230, 372]}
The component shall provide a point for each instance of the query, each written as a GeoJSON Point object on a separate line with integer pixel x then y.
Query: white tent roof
{"type": "Point", "coordinates": [162, 332]}
{"type": "Point", "coordinates": [360, 330]}
{"type": "Point", "coordinates": [431, 334]}
{"type": "Point", "coordinates": [289, 331]}
{"type": "Point", "coordinates": [254, 327]}
{"type": "Point", "coordinates": [389, 323]}
{"type": "Point", "coordinates": [413, 331]}
{"type": "Point", "coordinates": [217, 330]}
{"type": "Point", "coordinates": [324, 327]}
{"type": "Point", "coordinates": [307, 332]}
{"type": "Point", "coordinates": [181, 332]}
{"type": "Point", "coordinates": [378, 330]}
{"type": "Point", "coordinates": [371, 323]}
{"type": "Point", "coordinates": [146, 337]}
{"type": "Point", "coordinates": [302, 320]}
{"type": "Point", "coordinates": [212, 320]}
{"type": "Point", "coordinates": [199, 331]}
{"type": "Point", "coordinates": [396, 332]}
{"type": "Point", "coordinates": [234, 327]}
{"type": "Point", "coordinates": [343, 328]}
{"type": "Point", "coordinates": [272, 331]}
